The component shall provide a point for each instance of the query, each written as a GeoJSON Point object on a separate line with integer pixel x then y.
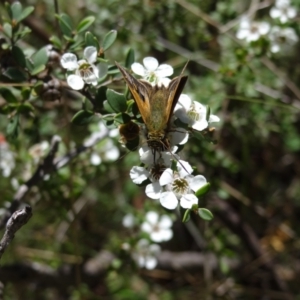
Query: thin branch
{"type": "Point", "coordinates": [15, 222]}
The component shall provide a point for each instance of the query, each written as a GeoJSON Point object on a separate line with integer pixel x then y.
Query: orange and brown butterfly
{"type": "Point", "coordinates": [156, 105]}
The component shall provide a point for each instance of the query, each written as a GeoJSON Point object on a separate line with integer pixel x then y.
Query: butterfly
{"type": "Point", "coordinates": [156, 105]}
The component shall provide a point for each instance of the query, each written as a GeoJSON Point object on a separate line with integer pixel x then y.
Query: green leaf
{"type": "Point", "coordinates": [12, 128]}
{"type": "Point", "coordinates": [8, 96]}
{"type": "Point", "coordinates": [7, 29]}
{"type": "Point", "coordinates": [107, 107]}
{"type": "Point", "coordinates": [25, 13]}
{"type": "Point", "coordinates": [122, 118]}
{"type": "Point", "coordinates": [16, 10]}
{"type": "Point", "coordinates": [19, 56]}
{"type": "Point", "coordinates": [109, 39]}
{"type": "Point", "coordinates": [37, 69]}
{"type": "Point", "coordinates": [56, 41]}
{"type": "Point", "coordinates": [207, 113]}
{"type": "Point", "coordinates": [91, 40]}
{"type": "Point", "coordinates": [205, 214]}
{"type": "Point", "coordinates": [40, 57]}
{"type": "Point", "coordinates": [15, 74]}
{"type": "Point", "coordinates": [82, 117]}
{"type": "Point", "coordinates": [129, 58]}
{"type": "Point", "coordinates": [85, 24]}
{"type": "Point", "coordinates": [186, 216]}
{"type": "Point", "coordinates": [116, 100]}
{"type": "Point", "coordinates": [25, 108]}
{"type": "Point", "coordinates": [113, 70]}
{"type": "Point", "coordinates": [203, 190]}
{"type": "Point", "coordinates": [65, 24]}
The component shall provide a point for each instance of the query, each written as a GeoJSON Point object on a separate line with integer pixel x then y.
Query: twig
{"type": "Point", "coordinates": [15, 222]}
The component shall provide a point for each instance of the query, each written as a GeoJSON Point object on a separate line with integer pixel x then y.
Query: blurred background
{"type": "Point", "coordinates": [76, 245]}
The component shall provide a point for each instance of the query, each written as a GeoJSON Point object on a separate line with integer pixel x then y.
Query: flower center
{"type": "Point", "coordinates": [85, 70]}
{"type": "Point", "coordinates": [180, 186]}
{"type": "Point", "coordinates": [151, 77]}
{"type": "Point", "coordinates": [193, 114]}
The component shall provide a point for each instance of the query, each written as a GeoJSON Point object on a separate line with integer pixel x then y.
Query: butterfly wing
{"type": "Point", "coordinates": [140, 91]}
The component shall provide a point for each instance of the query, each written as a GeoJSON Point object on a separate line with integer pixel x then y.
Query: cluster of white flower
{"type": "Point", "coordinates": [85, 69]}
{"type": "Point", "coordinates": [158, 229]}
{"type": "Point", "coordinates": [172, 186]}
{"type": "Point", "coordinates": [7, 159]}
{"type": "Point", "coordinates": [105, 150]}
{"type": "Point", "coordinates": [281, 38]}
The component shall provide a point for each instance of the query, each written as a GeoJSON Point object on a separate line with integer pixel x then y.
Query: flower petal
{"type": "Point", "coordinates": [95, 159]}
{"type": "Point", "coordinates": [188, 200]}
{"type": "Point", "coordinates": [184, 168]}
{"type": "Point", "coordinates": [165, 222]}
{"type": "Point", "coordinates": [152, 217]}
{"type": "Point", "coordinates": [168, 200]}
{"type": "Point", "coordinates": [197, 182]}
{"type": "Point", "coordinates": [150, 63]}
{"type": "Point", "coordinates": [90, 53]}
{"type": "Point", "coordinates": [164, 70]}
{"type": "Point", "coordinates": [185, 101]}
{"type": "Point", "coordinates": [153, 190]}
{"type": "Point", "coordinates": [138, 69]}
{"type": "Point", "coordinates": [166, 177]}
{"type": "Point", "coordinates": [213, 118]}
{"type": "Point", "coordinates": [138, 174]}
{"type": "Point", "coordinates": [69, 61]}
{"type": "Point", "coordinates": [75, 82]}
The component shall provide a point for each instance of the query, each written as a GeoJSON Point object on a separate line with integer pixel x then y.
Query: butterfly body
{"type": "Point", "coordinates": [156, 105]}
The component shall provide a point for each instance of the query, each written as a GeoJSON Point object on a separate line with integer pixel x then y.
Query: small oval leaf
{"type": "Point", "coordinates": [186, 216]}
{"type": "Point", "coordinates": [82, 117]}
{"type": "Point", "coordinates": [203, 190]}
{"type": "Point", "coordinates": [109, 39]}
{"type": "Point", "coordinates": [116, 100]}
{"type": "Point", "coordinates": [129, 58]}
{"type": "Point", "coordinates": [85, 24]}
{"type": "Point", "coordinates": [205, 214]}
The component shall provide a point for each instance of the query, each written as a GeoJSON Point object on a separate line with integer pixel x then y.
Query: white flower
{"type": "Point", "coordinates": [145, 254]}
{"type": "Point", "coordinates": [159, 229]}
{"type": "Point", "coordinates": [283, 11]}
{"type": "Point", "coordinates": [38, 151]}
{"type": "Point", "coordinates": [180, 187]}
{"type": "Point", "coordinates": [7, 159]}
{"type": "Point", "coordinates": [85, 70]}
{"type": "Point", "coordinates": [129, 221]}
{"type": "Point", "coordinates": [152, 72]}
{"type": "Point", "coordinates": [282, 38]}
{"type": "Point", "coordinates": [193, 113]}
{"type": "Point", "coordinates": [250, 30]}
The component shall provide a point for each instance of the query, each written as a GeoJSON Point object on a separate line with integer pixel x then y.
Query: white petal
{"type": "Point", "coordinates": [242, 34]}
{"type": "Point", "coordinates": [95, 70]}
{"type": "Point", "coordinates": [213, 118]}
{"type": "Point", "coordinates": [161, 235]}
{"type": "Point", "coordinates": [188, 200]}
{"type": "Point", "coordinates": [275, 13]}
{"type": "Point", "coordinates": [153, 190]}
{"type": "Point", "coordinates": [283, 18]}
{"type": "Point", "coordinates": [181, 114]}
{"type": "Point", "coordinates": [200, 125]}
{"type": "Point", "coordinates": [264, 28]}
{"type": "Point", "coordinates": [164, 70]}
{"type": "Point", "coordinates": [166, 177]}
{"type": "Point", "coordinates": [138, 174]}
{"type": "Point", "coordinates": [138, 69]}
{"type": "Point", "coordinates": [95, 159]}
{"type": "Point", "coordinates": [197, 182]}
{"type": "Point", "coordinates": [164, 81]}
{"type": "Point", "coordinates": [150, 63]}
{"type": "Point", "coordinates": [291, 12]}
{"type": "Point", "coordinates": [112, 154]}
{"type": "Point", "coordinates": [146, 157]}
{"type": "Point", "coordinates": [90, 78]}
{"type": "Point", "coordinates": [75, 82]}
{"type": "Point", "coordinates": [165, 222]}
{"type": "Point", "coordinates": [168, 200]}
{"type": "Point", "coordinates": [150, 262]}
{"type": "Point", "coordinates": [178, 137]}
{"type": "Point", "coordinates": [90, 53]}
{"type": "Point", "coordinates": [69, 61]}
{"type": "Point", "coordinates": [152, 217]}
{"type": "Point", "coordinates": [154, 249]}
{"type": "Point", "coordinates": [185, 101]}
{"type": "Point", "coordinates": [128, 221]}
{"type": "Point", "coordinates": [184, 168]}
{"type": "Point", "coordinates": [146, 227]}
{"type": "Point", "coordinates": [275, 48]}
